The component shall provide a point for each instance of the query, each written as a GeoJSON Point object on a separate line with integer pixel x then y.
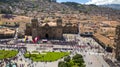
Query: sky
{"type": "Point", "coordinates": [97, 2]}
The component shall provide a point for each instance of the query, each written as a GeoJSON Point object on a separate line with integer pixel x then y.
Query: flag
{"type": "Point", "coordinates": [36, 39]}
{"type": "Point", "coordinates": [26, 38]}
{"type": "Point", "coordinates": [33, 41]}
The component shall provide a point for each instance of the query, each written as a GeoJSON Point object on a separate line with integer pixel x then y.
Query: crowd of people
{"type": "Point", "coordinates": [64, 42]}
{"type": "Point", "coordinates": [87, 46]}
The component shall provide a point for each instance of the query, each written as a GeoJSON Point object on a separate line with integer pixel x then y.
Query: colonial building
{"type": "Point", "coordinates": [6, 33]}
{"type": "Point", "coordinates": [117, 42]}
{"type": "Point", "coordinates": [50, 30]}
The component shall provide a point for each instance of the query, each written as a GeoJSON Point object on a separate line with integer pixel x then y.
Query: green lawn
{"type": "Point", "coordinates": [7, 54]}
{"type": "Point", "coordinates": [47, 57]}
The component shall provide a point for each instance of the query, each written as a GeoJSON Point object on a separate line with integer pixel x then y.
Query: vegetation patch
{"type": "Point", "coordinates": [46, 57]}
{"type": "Point", "coordinates": [75, 61]}
{"type": "Point", "coordinates": [4, 54]}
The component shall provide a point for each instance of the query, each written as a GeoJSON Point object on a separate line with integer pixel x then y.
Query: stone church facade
{"type": "Point", "coordinates": [50, 30]}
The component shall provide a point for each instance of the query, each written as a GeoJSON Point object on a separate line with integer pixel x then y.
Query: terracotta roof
{"type": "Point", "coordinates": [111, 23]}
{"type": "Point", "coordinates": [6, 31]}
{"type": "Point", "coordinates": [103, 39]}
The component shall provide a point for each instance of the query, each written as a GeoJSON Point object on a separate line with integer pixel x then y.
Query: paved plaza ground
{"type": "Point", "coordinates": [93, 57]}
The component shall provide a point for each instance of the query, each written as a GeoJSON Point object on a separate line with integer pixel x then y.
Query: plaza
{"type": "Point", "coordinates": [93, 54]}
{"type": "Point", "coordinates": [59, 33]}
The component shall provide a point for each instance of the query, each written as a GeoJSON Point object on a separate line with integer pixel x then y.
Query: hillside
{"type": "Point", "coordinates": [26, 7]}
{"type": "Point", "coordinates": [114, 6]}
{"type": "Point", "coordinates": [112, 14]}
{"type": "Point", "coordinates": [35, 7]}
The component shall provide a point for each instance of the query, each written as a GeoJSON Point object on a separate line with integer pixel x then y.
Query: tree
{"type": "Point", "coordinates": [67, 59]}
{"type": "Point", "coordinates": [62, 64]}
{"type": "Point", "coordinates": [77, 56]}
{"type": "Point", "coordinates": [71, 63]}
{"type": "Point", "coordinates": [78, 59]}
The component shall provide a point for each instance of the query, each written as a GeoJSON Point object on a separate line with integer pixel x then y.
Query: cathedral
{"type": "Point", "coordinates": [50, 30]}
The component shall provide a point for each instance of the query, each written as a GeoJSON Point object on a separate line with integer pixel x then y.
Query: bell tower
{"type": "Point", "coordinates": [35, 27]}
{"type": "Point", "coordinates": [59, 22]}
{"type": "Point", "coordinates": [34, 23]}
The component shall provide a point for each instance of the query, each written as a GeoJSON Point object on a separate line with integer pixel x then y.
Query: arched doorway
{"type": "Point", "coordinates": [46, 36]}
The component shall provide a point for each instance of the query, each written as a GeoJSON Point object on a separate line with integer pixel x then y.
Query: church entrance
{"type": "Point", "coordinates": [46, 36]}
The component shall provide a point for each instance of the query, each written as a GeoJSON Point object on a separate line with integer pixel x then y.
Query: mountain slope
{"type": "Point", "coordinates": [114, 6]}
{"type": "Point", "coordinates": [33, 7]}
{"type": "Point", "coordinates": [92, 9]}
{"type": "Point", "coordinates": [30, 6]}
